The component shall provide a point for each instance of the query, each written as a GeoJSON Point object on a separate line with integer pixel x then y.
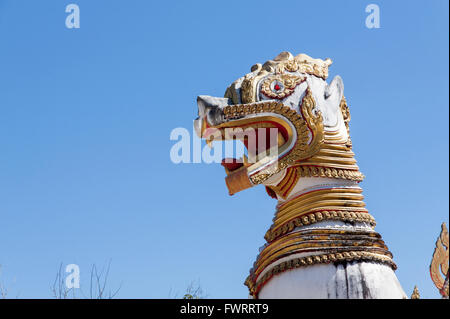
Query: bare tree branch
{"type": "Point", "coordinates": [194, 291]}
{"type": "Point", "coordinates": [98, 283]}
{"type": "Point", "coordinates": [59, 289]}
{"type": "Point", "coordinates": [3, 289]}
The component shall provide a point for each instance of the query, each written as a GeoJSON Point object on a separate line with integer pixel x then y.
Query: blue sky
{"type": "Point", "coordinates": [86, 115]}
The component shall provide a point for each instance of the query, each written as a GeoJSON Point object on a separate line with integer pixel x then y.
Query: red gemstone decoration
{"type": "Point", "coordinates": [277, 87]}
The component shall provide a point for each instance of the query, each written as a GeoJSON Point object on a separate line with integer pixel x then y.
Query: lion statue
{"type": "Point", "coordinates": [295, 125]}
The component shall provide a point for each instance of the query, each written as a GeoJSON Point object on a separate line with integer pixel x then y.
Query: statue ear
{"type": "Point", "coordinates": [334, 91]}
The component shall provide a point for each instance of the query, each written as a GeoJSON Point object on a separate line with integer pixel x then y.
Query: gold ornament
{"type": "Point", "coordinates": [280, 86]}
{"type": "Point", "coordinates": [440, 262]}
{"type": "Point", "coordinates": [284, 62]}
{"type": "Point", "coordinates": [415, 294]}
{"type": "Point", "coordinates": [344, 204]}
{"type": "Point", "coordinates": [344, 215]}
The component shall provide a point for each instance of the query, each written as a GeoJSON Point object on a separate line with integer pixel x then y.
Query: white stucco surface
{"type": "Point", "coordinates": [358, 280]}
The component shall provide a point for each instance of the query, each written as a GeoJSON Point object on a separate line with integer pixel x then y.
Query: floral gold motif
{"type": "Point", "coordinates": [290, 82]}
{"type": "Point", "coordinates": [301, 63]}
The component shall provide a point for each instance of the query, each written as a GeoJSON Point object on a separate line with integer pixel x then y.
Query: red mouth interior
{"type": "Point", "coordinates": [232, 164]}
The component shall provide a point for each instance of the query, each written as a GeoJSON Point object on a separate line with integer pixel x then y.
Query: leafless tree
{"type": "Point", "coordinates": [59, 288]}
{"type": "Point", "coordinates": [194, 291]}
{"type": "Point", "coordinates": [4, 290]}
{"type": "Point", "coordinates": [98, 285]}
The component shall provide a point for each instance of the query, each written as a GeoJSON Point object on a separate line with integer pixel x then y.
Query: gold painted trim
{"type": "Point", "coordinates": [345, 216]}
{"type": "Point", "coordinates": [314, 240]}
{"type": "Point", "coordinates": [339, 203]}
{"type": "Point", "coordinates": [299, 241]}
{"type": "Point", "coordinates": [314, 171]}
{"type": "Point", "coordinates": [286, 185]}
{"type": "Point", "coordinates": [348, 197]}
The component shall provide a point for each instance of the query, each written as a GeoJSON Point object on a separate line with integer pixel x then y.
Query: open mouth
{"type": "Point", "coordinates": [275, 135]}
{"type": "Point", "coordinates": [260, 136]}
{"type": "Point", "coordinates": [269, 130]}
{"type": "Point", "coordinates": [265, 133]}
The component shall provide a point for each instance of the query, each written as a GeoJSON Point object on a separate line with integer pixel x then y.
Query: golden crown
{"type": "Point", "coordinates": [284, 61]}
{"type": "Point", "coordinates": [302, 63]}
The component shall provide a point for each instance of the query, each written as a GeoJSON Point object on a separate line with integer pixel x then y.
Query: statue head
{"type": "Point", "coordinates": [284, 111]}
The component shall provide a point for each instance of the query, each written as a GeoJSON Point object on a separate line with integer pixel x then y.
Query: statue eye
{"type": "Point", "coordinates": [276, 86]}
{"type": "Point", "coordinates": [280, 86]}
